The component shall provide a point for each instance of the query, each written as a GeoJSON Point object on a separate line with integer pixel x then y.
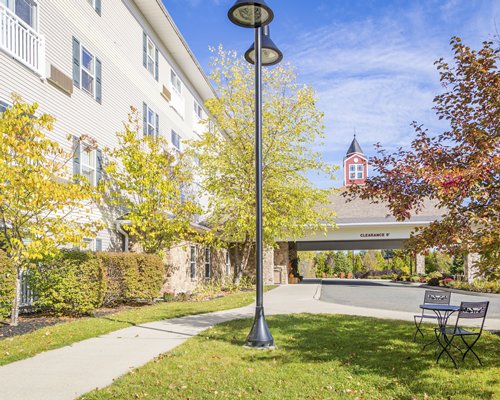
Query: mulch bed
{"type": "Point", "coordinates": [31, 322]}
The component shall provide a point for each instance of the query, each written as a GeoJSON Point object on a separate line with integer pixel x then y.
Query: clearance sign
{"type": "Point", "coordinates": [374, 235]}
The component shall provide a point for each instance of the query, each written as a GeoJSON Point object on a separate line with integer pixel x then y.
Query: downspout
{"type": "Point", "coordinates": [120, 229]}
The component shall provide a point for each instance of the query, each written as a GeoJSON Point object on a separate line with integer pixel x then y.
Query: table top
{"type": "Point", "coordinates": [439, 307]}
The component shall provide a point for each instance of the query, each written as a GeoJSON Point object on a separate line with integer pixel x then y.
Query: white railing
{"type": "Point", "coordinates": [21, 41]}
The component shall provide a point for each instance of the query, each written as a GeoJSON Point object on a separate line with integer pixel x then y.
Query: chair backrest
{"type": "Point", "coordinates": [473, 309]}
{"type": "Point", "coordinates": [437, 297]}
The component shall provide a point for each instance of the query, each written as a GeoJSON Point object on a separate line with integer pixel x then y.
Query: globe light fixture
{"type": "Point", "coordinates": [250, 14]}
{"type": "Point", "coordinates": [271, 55]}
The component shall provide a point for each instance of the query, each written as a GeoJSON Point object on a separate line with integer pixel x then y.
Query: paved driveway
{"type": "Point", "coordinates": [385, 295]}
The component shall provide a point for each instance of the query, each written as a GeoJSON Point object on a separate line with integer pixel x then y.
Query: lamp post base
{"type": "Point", "coordinates": [260, 337]}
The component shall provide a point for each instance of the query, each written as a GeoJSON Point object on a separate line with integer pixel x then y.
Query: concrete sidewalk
{"type": "Point", "coordinates": [68, 372]}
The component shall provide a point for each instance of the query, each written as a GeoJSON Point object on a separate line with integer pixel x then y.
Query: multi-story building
{"type": "Point", "coordinates": [86, 62]}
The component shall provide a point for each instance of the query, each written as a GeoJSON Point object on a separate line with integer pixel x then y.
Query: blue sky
{"type": "Point", "coordinates": [370, 61]}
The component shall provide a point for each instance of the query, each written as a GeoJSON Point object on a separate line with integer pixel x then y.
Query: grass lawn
{"type": "Point", "coordinates": [317, 357]}
{"type": "Point", "coordinates": [52, 337]}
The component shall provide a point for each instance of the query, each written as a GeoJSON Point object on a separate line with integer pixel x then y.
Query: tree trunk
{"type": "Point", "coordinates": [14, 316]}
{"type": "Point", "coordinates": [246, 248]}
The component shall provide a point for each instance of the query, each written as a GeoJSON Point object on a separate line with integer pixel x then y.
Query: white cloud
{"type": "Point", "coordinates": [376, 76]}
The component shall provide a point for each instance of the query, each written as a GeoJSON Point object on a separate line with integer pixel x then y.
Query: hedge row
{"type": "Point", "coordinates": [132, 277]}
{"type": "Point", "coordinates": [77, 282]}
{"type": "Point", "coordinates": [7, 285]}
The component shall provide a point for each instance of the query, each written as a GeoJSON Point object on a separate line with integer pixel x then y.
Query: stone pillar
{"type": "Point", "coordinates": [420, 264]}
{"type": "Point", "coordinates": [281, 261]}
{"type": "Point", "coordinates": [471, 271]}
{"type": "Point", "coordinates": [268, 266]}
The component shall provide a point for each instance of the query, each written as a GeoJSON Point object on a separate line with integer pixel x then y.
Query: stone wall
{"type": "Point", "coordinates": [179, 266]}
{"type": "Point", "coordinates": [281, 263]}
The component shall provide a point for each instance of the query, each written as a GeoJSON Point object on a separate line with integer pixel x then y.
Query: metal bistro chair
{"type": "Point", "coordinates": [430, 297]}
{"type": "Point", "coordinates": [445, 336]}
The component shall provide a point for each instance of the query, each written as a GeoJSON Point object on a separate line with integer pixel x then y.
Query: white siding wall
{"type": "Point", "coordinates": [116, 38]}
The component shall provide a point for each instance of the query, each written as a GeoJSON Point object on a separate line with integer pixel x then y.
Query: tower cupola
{"type": "Point", "coordinates": [355, 165]}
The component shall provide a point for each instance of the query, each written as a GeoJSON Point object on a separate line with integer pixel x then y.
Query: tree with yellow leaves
{"type": "Point", "coordinates": [292, 127]}
{"type": "Point", "coordinates": [41, 204]}
{"type": "Point", "coordinates": [151, 185]}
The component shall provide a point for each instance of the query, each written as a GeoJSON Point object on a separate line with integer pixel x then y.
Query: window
{"type": "Point", "coordinates": [149, 55]}
{"type": "Point", "coordinates": [151, 121]}
{"type": "Point", "coordinates": [176, 140]}
{"type": "Point", "coordinates": [176, 82]}
{"type": "Point", "coordinates": [198, 111]}
{"type": "Point", "coordinates": [356, 171]}
{"type": "Point", "coordinates": [26, 10]}
{"type": "Point", "coordinates": [88, 71]}
{"type": "Point", "coordinates": [3, 106]}
{"type": "Point", "coordinates": [88, 164]}
{"type": "Point", "coordinates": [96, 5]}
{"type": "Point", "coordinates": [92, 244]}
{"type": "Point", "coordinates": [151, 61]}
{"type": "Point", "coordinates": [192, 262]}
{"type": "Point", "coordinates": [228, 263]}
{"type": "Point", "coordinates": [208, 262]}
{"type": "Point", "coordinates": [88, 244]}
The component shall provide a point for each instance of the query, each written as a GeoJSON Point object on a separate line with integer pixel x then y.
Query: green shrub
{"type": "Point", "coordinates": [72, 283]}
{"type": "Point", "coordinates": [132, 277]}
{"type": "Point", "coordinates": [7, 285]}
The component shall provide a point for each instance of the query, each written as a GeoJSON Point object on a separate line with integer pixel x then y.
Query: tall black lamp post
{"type": "Point", "coordinates": [257, 15]}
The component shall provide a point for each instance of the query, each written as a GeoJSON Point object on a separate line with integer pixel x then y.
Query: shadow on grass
{"type": "Point", "coordinates": [370, 346]}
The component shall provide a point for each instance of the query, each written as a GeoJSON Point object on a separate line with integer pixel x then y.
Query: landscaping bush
{"type": "Point", "coordinates": [71, 283]}
{"type": "Point", "coordinates": [375, 274]}
{"type": "Point", "coordinates": [7, 285]}
{"type": "Point", "coordinates": [132, 277]}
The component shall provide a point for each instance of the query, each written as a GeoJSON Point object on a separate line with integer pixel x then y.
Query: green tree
{"type": "Point", "coordinates": [292, 124]}
{"type": "Point", "coordinates": [459, 168]}
{"type": "Point", "coordinates": [42, 206]}
{"type": "Point", "coordinates": [341, 263]}
{"type": "Point", "coordinates": [151, 185]}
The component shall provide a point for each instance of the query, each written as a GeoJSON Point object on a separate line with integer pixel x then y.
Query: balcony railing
{"type": "Point", "coordinates": [21, 42]}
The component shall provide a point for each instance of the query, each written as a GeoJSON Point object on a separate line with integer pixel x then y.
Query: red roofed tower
{"type": "Point", "coordinates": [355, 165]}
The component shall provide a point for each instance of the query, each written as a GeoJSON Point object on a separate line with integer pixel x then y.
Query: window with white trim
{"type": "Point", "coordinates": [176, 82]}
{"type": "Point", "coordinates": [151, 121]}
{"type": "Point", "coordinates": [88, 164]}
{"type": "Point", "coordinates": [89, 244]}
{"type": "Point", "coordinates": [88, 71]}
{"type": "Point", "coordinates": [150, 54]}
{"type": "Point", "coordinates": [192, 262]}
{"type": "Point", "coordinates": [176, 140]}
{"type": "Point", "coordinates": [198, 111]}
{"type": "Point", "coordinates": [26, 11]}
{"type": "Point", "coordinates": [208, 262]}
{"type": "Point", "coordinates": [356, 171]}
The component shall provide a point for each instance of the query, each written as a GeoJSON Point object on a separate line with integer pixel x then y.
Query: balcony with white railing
{"type": "Point", "coordinates": [21, 41]}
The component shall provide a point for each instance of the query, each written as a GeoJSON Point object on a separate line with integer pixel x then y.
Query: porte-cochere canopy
{"type": "Point", "coordinates": [363, 225]}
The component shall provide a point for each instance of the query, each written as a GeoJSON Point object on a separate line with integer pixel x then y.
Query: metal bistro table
{"type": "Point", "coordinates": [443, 313]}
